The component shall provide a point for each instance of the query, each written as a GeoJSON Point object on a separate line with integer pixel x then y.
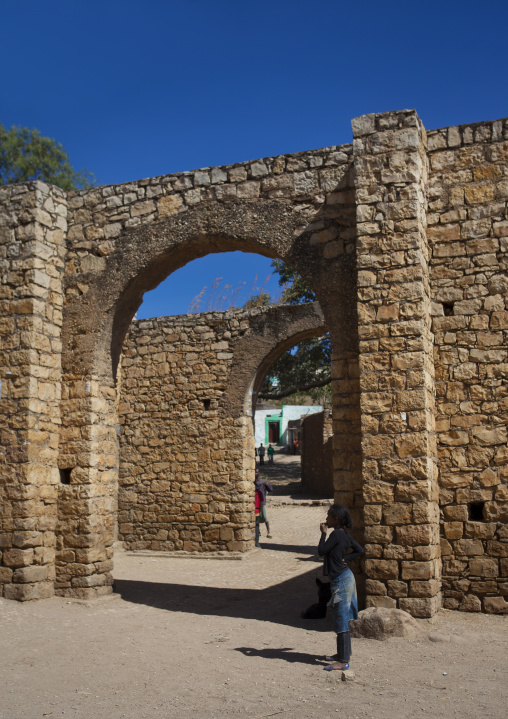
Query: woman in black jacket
{"type": "Point", "coordinates": [337, 554]}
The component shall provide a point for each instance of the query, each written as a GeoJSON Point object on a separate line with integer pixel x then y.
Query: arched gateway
{"type": "Point", "coordinates": [402, 237]}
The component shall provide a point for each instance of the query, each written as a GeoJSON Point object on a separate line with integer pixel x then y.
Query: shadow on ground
{"type": "Point", "coordinates": [282, 603]}
{"type": "Point", "coordinates": [286, 653]}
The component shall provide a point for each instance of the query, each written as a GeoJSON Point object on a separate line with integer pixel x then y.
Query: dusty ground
{"type": "Point", "coordinates": [217, 638]}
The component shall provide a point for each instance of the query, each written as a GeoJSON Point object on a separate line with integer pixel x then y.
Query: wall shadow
{"type": "Point", "coordinates": [282, 603]}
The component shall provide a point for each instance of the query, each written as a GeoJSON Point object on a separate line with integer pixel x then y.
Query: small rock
{"type": "Point", "coordinates": [348, 675]}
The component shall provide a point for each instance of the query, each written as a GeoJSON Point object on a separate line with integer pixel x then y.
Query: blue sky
{"type": "Point", "coordinates": [136, 89]}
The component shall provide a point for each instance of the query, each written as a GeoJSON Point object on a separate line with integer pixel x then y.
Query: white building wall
{"type": "Point", "coordinates": [288, 412]}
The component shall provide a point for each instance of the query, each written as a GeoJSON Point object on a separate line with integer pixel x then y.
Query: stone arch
{"type": "Point", "coordinates": [96, 322]}
{"type": "Point", "coordinates": [275, 330]}
{"type": "Point", "coordinates": [122, 241]}
{"type": "Point", "coordinates": [187, 443]}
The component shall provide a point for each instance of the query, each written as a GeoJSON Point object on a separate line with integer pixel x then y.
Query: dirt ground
{"type": "Point", "coordinates": [207, 638]}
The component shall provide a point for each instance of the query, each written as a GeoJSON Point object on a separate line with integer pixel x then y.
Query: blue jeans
{"type": "Point", "coordinates": [344, 606]}
{"type": "Point", "coordinates": [344, 602]}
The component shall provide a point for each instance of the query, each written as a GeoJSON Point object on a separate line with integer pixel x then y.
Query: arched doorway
{"type": "Point", "coordinates": [186, 442]}
{"type": "Point", "coordinates": [308, 226]}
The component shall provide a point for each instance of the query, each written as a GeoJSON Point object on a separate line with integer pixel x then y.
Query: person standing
{"type": "Point", "coordinates": [338, 551]}
{"type": "Point", "coordinates": [261, 454]}
{"type": "Point", "coordinates": [270, 452]}
{"type": "Point", "coordinates": [262, 486]}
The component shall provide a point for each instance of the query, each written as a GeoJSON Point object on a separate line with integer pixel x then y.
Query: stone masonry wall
{"type": "Point", "coordinates": [32, 252]}
{"type": "Point", "coordinates": [317, 454]}
{"type": "Point", "coordinates": [396, 365]}
{"type": "Point", "coordinates": [186, 482]}
{"type": "Point", "coordinates": [186, 448]}
{"type": "Point", "coordinates": [468, 232]}
{"type": "Point", "coordinates": [403, 237]}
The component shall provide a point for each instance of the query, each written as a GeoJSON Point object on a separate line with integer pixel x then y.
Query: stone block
{"type": "Point", "coordinates": [427, 588]}
{"type": "Point", "coordinates": [417, 570]}
{"type": "Point", "coordinates": [25, 575]}
{"type": "Point", "coordinates": [395, 551]}
{"type": "Point", "coordinates": [382, 568]}
{"type": "Point", "coordinates": [372, 586]}
{"type": "Point", "coordinates": [378, 492]}
{"type": "Point", "coordinates": [18, 557]}
{"type": "Point", "coordinates": [421, 607]}
{"type": "Point", "coordinates": [495, 605]}
{"type": "Point", "coordinates": [483, 567]}
{"type": "Point", "coordinates": [416, 534]}
{"type": "Point", "coordinates": [397, 513]}
{"type": "Point", "coordinates": [497, 549]}
{"type": "Point", "coordinates": [453, 530]}
{"type": "Point", "coordinates": [397, 588]}
{"type": "Point", "coordinates": [378, 601]}
{"type": "Point", "coordinates": [470, 603]}
{"type": "Point", "coordinates": [425, 554]}
{"type": "Point", "coordinates": [378, 534]}
{"type": "Point", "coordinates": [468, 547]}
{"type": "Point", "coordinates": [480, 530]}
{"type": "Point", "coordinates": [5, 575]}
{"type": "Point", "coordinates": [29, 592]}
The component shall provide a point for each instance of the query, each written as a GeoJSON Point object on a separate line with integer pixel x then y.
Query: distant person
{"type": "Point", "coordinates": [270, 452]}
{"type": "Point", "coordinates": [261, 454]}
{"type": "Point", "coordinates": [262, 486]}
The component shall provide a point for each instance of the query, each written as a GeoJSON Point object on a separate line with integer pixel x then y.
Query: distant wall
{"type": "Point", "coordinates": [187, 453]}
{"type": "Point", "coordinates": [317, 454]}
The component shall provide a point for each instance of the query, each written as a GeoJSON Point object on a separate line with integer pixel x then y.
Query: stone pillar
{"type": "Point", "coordinates": [32, 252]}
{"type": "Point", "coordinates": [347, 464]}
{"type": "Point", "coordinates": [396, 364]}
{"type": "Point", "coordinates": [87, 502]}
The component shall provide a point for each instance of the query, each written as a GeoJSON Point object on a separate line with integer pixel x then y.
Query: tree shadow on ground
{"type": "Point", "coordinates": [281, 604]}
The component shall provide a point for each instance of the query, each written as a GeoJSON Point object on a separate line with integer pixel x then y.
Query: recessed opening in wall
{"type": "Point", "coordinates": [448, 308]}
{"type": "Point", "coordinates": [475, 511]}
{"type": "Point", "coordinates": [206, 404]}
{"type": "Point", "coordinates": [65, 475]}
{"type": "Point", "coordinates": [296, 385]}
{"type": "Point", "coordinates": [215, 283]}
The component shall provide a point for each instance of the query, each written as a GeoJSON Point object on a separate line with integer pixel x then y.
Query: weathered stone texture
{"type": "Point", "coordinates": [403, 237]}
{"type": "Point", "coordinates": [468, 233]}
{"type": "Point", "coordinates": [396, 364]}
{"type": "Point", "coordinates": [32, 253]}
{"type": "Point", "coordinates": [187, 446]}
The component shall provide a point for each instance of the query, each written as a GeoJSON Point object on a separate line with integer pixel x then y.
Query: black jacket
{"type": "Point", "coordinates": [335, 551]}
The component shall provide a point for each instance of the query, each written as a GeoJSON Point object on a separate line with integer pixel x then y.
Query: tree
{"type": "Point", "coordinates": [295, 290]}
{"type": "Point", "coordinates": [303, 371]}
{"type": "Point", "coordinates": [300, 373]}
{"type": "Point", "coordinates": [27, 155]}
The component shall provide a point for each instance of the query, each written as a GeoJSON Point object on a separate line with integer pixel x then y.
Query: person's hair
{"type": "Point", "coordinates": [342, 514]}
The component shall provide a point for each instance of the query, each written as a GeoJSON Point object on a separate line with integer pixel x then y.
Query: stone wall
{"type": "Point", "coordinates": [402, 236]}
{"type": "Point", "coordinates": [317, 454]}
{"type": "Point", "coordinates": [468, 233]}
{"type": "Point", "coordinates": [400, 488]}
{"type": "Point", "coordinates": [32, 253]}
{"type": "Point", "coordinates": [187, 465]}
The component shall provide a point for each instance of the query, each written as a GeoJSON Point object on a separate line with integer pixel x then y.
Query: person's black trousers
{"type": "Point", "coordinates": [344, 647]}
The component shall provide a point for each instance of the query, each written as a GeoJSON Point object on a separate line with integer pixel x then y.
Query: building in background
{"type": "Point", "coordinates": [276, 425]}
